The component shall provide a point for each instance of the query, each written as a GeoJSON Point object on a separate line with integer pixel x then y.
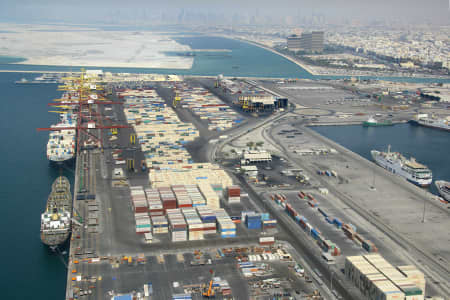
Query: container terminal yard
{"type": "Point", "coordinates": [187, 189]}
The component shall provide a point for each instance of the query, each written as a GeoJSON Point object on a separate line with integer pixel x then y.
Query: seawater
{"type": "Point", "coordinates": [428, 146]}
{"type": "Point", "coordinates": [29, 270]}
{"type": "Point", "coordinates": [246, 60]}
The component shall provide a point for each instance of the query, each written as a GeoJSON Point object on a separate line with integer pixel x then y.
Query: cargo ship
{"type": "Point", "coordinates": [443, 124]}
{"type": "Point", "coordinates": [61, 143]}
{"type": "Point", "coordinates": [371, 122]}
{"type": "Point", "coordinates": [409, 169]}
{"type": "Point", "coordinates": [444, 189]}
{"type": "Point", "coordinates": [56, 220]}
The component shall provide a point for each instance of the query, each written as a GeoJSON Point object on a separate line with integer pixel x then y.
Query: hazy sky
{"type": "Point", "coordinates": [101, 10]}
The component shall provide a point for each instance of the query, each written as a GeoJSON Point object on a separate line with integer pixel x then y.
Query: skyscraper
{"type": "Point", "coordinates": [309, 42]}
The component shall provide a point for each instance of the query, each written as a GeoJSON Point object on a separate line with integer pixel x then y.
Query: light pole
{"type": "Point", "coordinates": [331, 281]}
{"type": "Point", "coordinates": [424, 205]}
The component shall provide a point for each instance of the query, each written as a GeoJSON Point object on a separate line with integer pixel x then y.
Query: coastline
{"type": "Point", "coordinates": [298, 63]}
{"type": "Point", "coordinates": [312, 71]}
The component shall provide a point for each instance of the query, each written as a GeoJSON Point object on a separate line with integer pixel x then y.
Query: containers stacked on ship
{"type": "Point", "coordinates": [177, 225]}
{"type": "Point", "coordinates": [194, 224]}
{"type": "Point", "coordinates": [208, 218]}
{"type": "Point", "coordinates": [234, 194]}
{"type": "Point", "coordinates": [253, 220]}
{"type": "Point", "coordinates": [212, 199]}
{"type": "Point", "coordinates": [183, 199]}
{"type": "Point", "coordinates": [160, 224]}
{"type": "Point", "coordinates": [155, 207]}
{"type": "Point", "coordinates": [168, 198]}
{"type": "Point", "coordinates": [138, 199]}
{"type": "Point", "coordinates": [195, 195]}
{"type": "Point", "coordinates": [224, 223]}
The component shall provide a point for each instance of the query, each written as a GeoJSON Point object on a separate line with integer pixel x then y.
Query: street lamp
{"type": "Point", "coordinates": [331, 281]}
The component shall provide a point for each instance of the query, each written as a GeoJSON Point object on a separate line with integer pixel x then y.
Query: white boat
{"type": "Point", "coordinates": [409, 169]}
{"type": "Point", "coordinates": [434, 123]}
{"type": "Point", "coordinates": [444, 189]}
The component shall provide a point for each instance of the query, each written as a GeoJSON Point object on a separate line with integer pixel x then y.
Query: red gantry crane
{"type": "Point", "coordinates": [80, 97]}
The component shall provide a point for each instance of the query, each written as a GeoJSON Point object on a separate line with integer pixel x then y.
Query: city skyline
{"type": "Point", "coordinates": [231, 12]}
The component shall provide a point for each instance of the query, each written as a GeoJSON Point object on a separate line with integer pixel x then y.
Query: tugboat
{"type": "Point", "coordinates": [371, 122]}
{"type": "Point", "coordinates": [56, 220]}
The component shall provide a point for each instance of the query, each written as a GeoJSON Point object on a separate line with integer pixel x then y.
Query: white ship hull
{"type": "Point", "coordinates": [396, 166]}
{"type": "Point", "coordinates": [434, 123]}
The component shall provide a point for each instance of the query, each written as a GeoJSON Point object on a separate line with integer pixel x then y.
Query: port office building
{"type": "Point", "coordinates": [309, 42]}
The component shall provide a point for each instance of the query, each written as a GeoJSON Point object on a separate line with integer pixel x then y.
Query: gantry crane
{"type": "Point", "coordinates": [82, 94]}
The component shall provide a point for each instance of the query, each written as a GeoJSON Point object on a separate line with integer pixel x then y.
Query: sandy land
{"type": "Point", "coordinates": [80, 46]}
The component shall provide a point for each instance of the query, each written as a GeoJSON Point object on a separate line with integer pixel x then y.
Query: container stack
{"type": "Point", "coordinates": [224, 223]}
{"type": "Point", "coordinates": [183, 199]}
{"type": "Point", "coordinates": [378, 279]}
{"type": "Point", "coordinates": [181, 297]}
{"type": "Point", "coordinates": [155, 207]}
{"type": "Point", "coordinates": [222, 285]}
{"type": "Point", "coordinates": [266, 240]}
{"type": "Point", "coordinates": [177, 225]}
{"type": "Point", "coordinates": [169, 201]}
{"type": "Point", "coordinates": [253, 220]}
{"type": "Point", "coordinates": [212, 199]}
{"type": "Point", "coordinates": [416, 276]}
{"type": "Point", "coordinates": [195, 195]}
{"type": "Point", "coordinates": [143, 224]}
{"type": "Point", "coordinates": [208, 218]}
{"type": "Point", "coordinates": [160, 224]}
{"type": "Point", "coordinates": [138, 199]}
{"type": "Point", "coordinates": [270, 223]}
{"type": "Point", "coordinates": [194, 224]}
{"type": "Point", "coordinates": [234, 194]}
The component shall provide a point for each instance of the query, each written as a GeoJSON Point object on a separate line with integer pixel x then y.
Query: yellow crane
{"type": "Point", "coordinates": [176, 99]}
{"type": "Point", "coordinates": [210, 293]}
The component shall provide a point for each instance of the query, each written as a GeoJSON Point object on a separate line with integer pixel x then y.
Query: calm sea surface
{"type": "Point", "coordinates": [29, 270]}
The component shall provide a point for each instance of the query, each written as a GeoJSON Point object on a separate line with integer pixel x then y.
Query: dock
{"type": "Point", "coordinates": [108, 256]}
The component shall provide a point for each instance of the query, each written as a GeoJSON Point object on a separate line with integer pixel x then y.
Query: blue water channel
{"type": "Point", "coordinates": [429, 146]}
{"type": "Point", "coordinates": [28, 270]}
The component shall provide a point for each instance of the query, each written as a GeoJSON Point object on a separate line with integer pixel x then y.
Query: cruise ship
{"type": "Point", "coordinates": [56, 220]}
{"type": "Point", "coordinates": [437, 123]}
{"type": "Point", "coordinates": [61, 143]}
{"type": "Point", "coordinates": [396, 163]}
{"type": "Point", "coordinates": [444, 189]}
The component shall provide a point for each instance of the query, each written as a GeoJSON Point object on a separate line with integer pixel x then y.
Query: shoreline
{"type": "Point", "coordinates": [311, 69]}
{"type": "Point", "coordinates": [298, 63]}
